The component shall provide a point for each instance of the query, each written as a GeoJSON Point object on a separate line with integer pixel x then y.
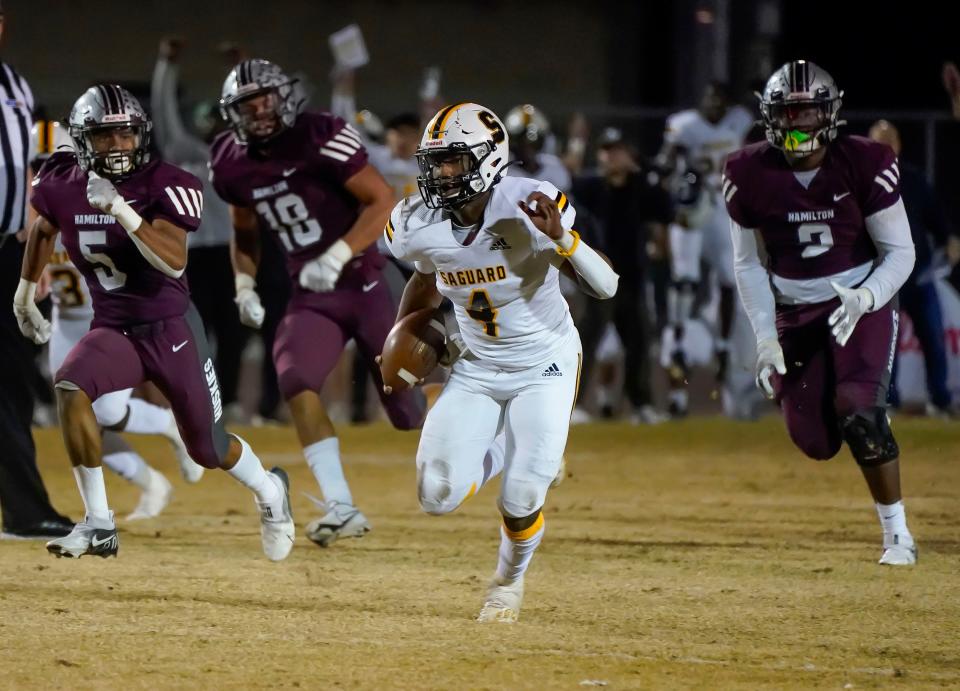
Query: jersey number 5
{"type": "Point", "coordinates": [108, 274]}
{"type": "Point", "coordinates": [817, 238]}
{"type": "Point", "coordinates": [480, 309]}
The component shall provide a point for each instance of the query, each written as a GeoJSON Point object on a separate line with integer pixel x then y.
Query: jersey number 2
{"type": "Point", "coordinates": [479, 308]}
{"type": "Point", "coordinates": [817, 238]}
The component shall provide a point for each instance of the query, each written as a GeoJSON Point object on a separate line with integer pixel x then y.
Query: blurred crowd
{"type": "Point", "coordinates": [673, 340]}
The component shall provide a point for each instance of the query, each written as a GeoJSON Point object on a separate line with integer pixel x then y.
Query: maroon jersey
{"type": "Point", "coordinates": [124, 287]}
{"type": "Point", "coordinates": [815, 231]}
{"type": "Point", "coordinates": [295, 184]}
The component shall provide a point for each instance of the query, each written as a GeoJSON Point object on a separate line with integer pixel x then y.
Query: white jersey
{"type": "Point", "coordinates": [549, 169]}
{"type": "Point", "coordinates": [505, 285]}
{"type": "Point", "coordinates": [69, 292]}
{"type": "Point", "coordinates": [708, 144]}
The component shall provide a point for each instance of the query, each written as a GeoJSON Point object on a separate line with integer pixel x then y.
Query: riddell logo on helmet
{"type": "Point", "coordinates": [116, 117]}
{"type": "Point", "coordinates": [435, 142]}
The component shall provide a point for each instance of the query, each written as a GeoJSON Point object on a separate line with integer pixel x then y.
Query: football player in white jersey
{"type": "Point", "coordinates": [117, 411]}
{"type": "Point", "coordinates": [701, 139]}
{"type": "Point", "coordinates": [495, 245]}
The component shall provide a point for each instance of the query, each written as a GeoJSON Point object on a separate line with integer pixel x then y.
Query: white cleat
{"type": "Point", "coordinates": [502, 605]}
{"type": "Point", "coordinates": [341, 520]}
{"type": "Point", "coordinates": [897, 553]}
{"type": "Point", "coordinates": [191, 471]}
{"type": "Point", "coordinates": [276, 520]}
{"type": "Point", "coordinates": [561, 473]}
{"type": "Point", "coordinates": [154, 498]}
{"type": "Point", "coordinates": [97, 538]}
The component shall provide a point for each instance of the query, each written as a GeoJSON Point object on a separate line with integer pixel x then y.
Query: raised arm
{"type": "Point", "coordinates": [174, 140]}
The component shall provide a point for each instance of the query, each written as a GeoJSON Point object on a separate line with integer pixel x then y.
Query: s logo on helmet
{"type": "Point", "coordinates": [462, 154]}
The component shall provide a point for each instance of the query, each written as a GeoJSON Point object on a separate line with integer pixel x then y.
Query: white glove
{"type": "Point", "coordinates": [31, 322]}
{"type": "Point", "coordinates": [854, 303]}
{"type": "Point", "coordinates": [321, 274]}
{"type": "Point", "coordinates": [769, 360]}
{"type": "Point", "coordinates": [101, 194]}
{"type": "Point", "coordinates": [248, 302]}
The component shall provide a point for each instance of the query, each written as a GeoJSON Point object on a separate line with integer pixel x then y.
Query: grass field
{"type": "Point", "coordinates": [704, 554]}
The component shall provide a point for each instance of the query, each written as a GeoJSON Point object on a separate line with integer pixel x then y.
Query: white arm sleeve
{"type": "Point", "coordinates": [890, 231]}
{"type": "Point", "coordinates": [753, 283]}
{"type": "Point", "coordinates": [589, 265]}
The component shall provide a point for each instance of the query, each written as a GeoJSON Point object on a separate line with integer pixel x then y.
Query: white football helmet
{"type": "Point", "coordinates": [47, 137]}
{"type": "Point", "coordinates": [528, 123]}
{"type": "Point", "coordinates": [475, 135]}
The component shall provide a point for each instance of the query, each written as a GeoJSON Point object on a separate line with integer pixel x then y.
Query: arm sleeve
{"type": "Point", "coordinates": [180, 202]}
{"type": "Point", "coordinates": [175, 142]}
{"type": "Point", "coordinates": [753, 282]}
{"type": "Point", "coordinates": [890, 231]}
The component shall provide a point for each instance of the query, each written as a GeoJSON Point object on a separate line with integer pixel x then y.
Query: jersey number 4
{"type": "Point", "coordinates": [480, 309]}
{"type": "Point", "coordinates": [290, 219]}
{"type": "Point", "coordinates": [817, 238]}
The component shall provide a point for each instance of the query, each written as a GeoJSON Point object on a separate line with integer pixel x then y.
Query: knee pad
{"type": "Point", "coordinates": [109, 410]}
{"type": "Point", "coordinates": [522, 497]}
{"type": "Point", "coordinates": [435, 488]}
{"type": "Point", "coordinates": [867, 433]}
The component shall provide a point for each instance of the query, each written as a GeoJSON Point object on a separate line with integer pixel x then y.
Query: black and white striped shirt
{"type": "Point", "coordinates": [16, 108]}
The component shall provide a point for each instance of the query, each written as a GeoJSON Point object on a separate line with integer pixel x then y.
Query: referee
{"type": "Point", "coordinates": [26, 509]}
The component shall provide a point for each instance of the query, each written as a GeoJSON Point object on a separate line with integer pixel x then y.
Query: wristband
{"type": "Point", "coordinates": [125, 215]}
{"type": "Point", "coordinates": [568, 243]}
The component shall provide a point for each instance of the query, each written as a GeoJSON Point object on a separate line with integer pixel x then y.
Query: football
{"type": "Point", "coordinates": [412, 349]}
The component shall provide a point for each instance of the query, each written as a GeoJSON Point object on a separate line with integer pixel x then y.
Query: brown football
{"type": "Point", "coordinates": [412, 348]}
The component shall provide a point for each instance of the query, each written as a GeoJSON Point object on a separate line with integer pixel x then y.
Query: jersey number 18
{"type": "Point", "coordinates": [291, 221]}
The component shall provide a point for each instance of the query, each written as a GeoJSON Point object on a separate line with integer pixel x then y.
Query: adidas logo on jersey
{"type": "Point", "coordinates": [552, 371]}
{"type": "Point", "coordinates": [500, 244]}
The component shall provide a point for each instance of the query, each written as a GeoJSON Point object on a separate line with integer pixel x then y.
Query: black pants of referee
{"type": "Point", "coordinates": [23, 498]}
{"type": "Point", "coordinates": [628, 312]}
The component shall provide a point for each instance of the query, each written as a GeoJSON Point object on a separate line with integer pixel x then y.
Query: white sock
{"type": "Point", "coordinates": [130, 466]}
{"type": "Point", "coordinates": [893, 519]}
{"type": "Point", "coordinates": [93, 492]}
{"type": "Point", "coordinates": [250, 473]}
{"type": "Point", "coordinates": [146, 418]}
{"type": "Point", "coordinates": [516, 550]}
{"type": "Point", "coordinates": [323, 457]}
